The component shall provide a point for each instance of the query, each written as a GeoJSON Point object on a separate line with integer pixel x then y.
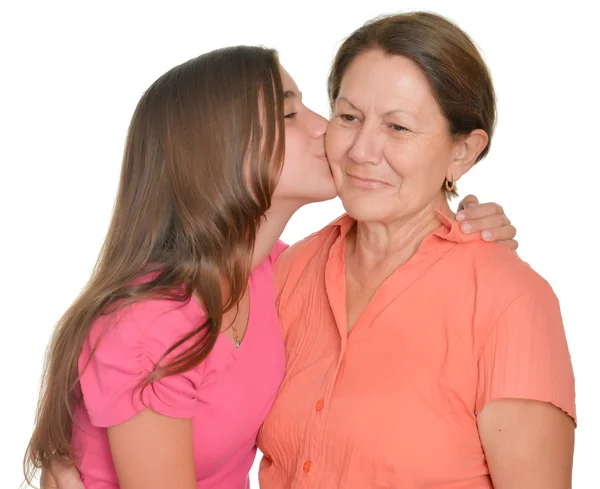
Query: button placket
{"type": "Point", "coordinates": [320, 419]}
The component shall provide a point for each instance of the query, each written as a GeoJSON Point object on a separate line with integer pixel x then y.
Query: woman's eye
{"type": "Point", "coordinates": [291, 115]}
{"type": "Point", "coordinates": [398, 128]}
{"type": "Point", "coordinates": [348, 118]}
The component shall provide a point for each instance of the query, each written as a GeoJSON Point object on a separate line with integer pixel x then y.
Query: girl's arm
{"type": "Point", "coordinates": [488, 219]}
{"type": "Point", "coordinates": [152, 451]}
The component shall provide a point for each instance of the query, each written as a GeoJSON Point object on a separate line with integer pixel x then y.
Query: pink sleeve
{"type": "Point", "coordinates": [124, 356]}
{"type": "Point", "coordinates": [279, 248]}
{"type": "Point", "coordinates": [526, 354]}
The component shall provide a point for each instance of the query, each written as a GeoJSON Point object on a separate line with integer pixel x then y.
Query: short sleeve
{"type": "Point", "coordinates": [125, 353]}
{"type": "Point", "coordinates": [526, 355]}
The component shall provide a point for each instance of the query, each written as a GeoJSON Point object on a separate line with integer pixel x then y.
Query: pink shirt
{"type": "Point", "coordinates": [135, 337]}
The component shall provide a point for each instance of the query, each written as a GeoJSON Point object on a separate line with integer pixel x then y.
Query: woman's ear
{"type": "Point", "coordinates": [466, 151]}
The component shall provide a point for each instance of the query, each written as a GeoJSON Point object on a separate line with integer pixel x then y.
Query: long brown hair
{"type": "Point", "coordinates": [203, 154]}
{"type": "Point", "coordinates": [459, 78]}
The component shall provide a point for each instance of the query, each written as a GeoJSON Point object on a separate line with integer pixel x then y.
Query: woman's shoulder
{"type": "Point", "coordinates": [501, 280]}
{"type": "Point", "coordinates": [498, 267]}
{"type": "Point", "coordinates": [471, 258]}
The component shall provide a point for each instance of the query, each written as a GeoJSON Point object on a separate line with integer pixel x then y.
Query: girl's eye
{"type": "Point", "coordinates": [291, 115]}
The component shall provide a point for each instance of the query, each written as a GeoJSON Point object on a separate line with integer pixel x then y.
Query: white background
{"type": "Point", "coordinates": [73, 73]}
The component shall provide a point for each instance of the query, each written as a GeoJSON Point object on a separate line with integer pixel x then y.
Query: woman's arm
{"type": "Point", "coordinates": [525, 401]}
{"type": "Point", "coordinates": [527, 444]}
{"type": "Point", "coordinates": [152, 451]}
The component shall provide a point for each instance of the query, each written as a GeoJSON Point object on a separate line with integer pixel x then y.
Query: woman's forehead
{"type": "Point", "coordinates": [390, 83]}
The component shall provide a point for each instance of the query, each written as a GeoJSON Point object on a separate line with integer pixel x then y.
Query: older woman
{"type": "Point", "coordinates": [417, 356]}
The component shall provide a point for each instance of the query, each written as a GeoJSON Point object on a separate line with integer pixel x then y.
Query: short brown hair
{"type": "Point", "coordinates": [459, 78]}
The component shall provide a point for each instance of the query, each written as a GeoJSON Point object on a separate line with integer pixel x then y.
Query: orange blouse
{"type": "Point", "coordinates": [394, 403]}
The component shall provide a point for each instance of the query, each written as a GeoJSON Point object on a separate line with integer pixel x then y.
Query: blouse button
{"type": "Point", "coordinates": [306, 467]}
{"type": "Point", "coordinates": [319, 405]}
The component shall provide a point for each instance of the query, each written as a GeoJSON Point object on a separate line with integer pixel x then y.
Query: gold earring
{"type": "Point", "coordinates": [449, 185]}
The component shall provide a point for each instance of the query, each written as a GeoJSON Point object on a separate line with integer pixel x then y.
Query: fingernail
{"type": "Point", "coordinates": [486, 235]}
{"type": "Point", "coordinates": [460, 216]}
{"type": "Point", "coordinates": [466, 227]}
{"type": "Point", "coordinates": [471, 205]}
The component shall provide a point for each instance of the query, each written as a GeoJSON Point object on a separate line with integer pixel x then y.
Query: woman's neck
{"type": "Point", "coordinates": [393, 242]}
